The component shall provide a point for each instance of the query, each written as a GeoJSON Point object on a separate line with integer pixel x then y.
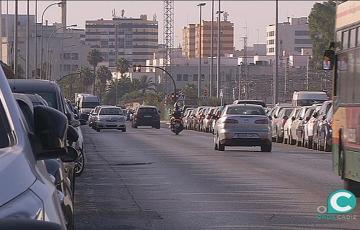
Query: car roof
{"type": "Point", "coordinates": [147, 106]}
{"type": "Point", "coordinates": [30, 84]}
{"type": "Point", "coordinates": [252, 105]}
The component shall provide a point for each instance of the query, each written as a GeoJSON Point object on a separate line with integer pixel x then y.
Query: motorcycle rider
{"type": "Point", "coordinates": [176, 115]}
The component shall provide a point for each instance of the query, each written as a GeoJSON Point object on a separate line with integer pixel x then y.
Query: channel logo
{"type": "Point", "coordinates": [339, 205]}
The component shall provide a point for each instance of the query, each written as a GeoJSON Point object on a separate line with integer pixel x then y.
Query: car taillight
{"type": "Point", "coordinates": [230, 121]}
{"type": "Point", "coordinates": [262, 121]}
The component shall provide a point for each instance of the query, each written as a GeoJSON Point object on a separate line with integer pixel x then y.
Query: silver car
{"type": "Point", "coordinates": [243, 125]}
{"type": "Point", "coordinates": [110, 117]}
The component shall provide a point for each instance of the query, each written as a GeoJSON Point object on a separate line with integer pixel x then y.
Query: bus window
{"type": "Point", "coordinates": [345, 40]}
{"type": "Point", "coordinates": [357, 77]}
{"type": "Point", "coordinates": [350, 75]}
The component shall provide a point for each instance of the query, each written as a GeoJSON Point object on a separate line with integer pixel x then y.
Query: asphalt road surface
{"type": "Point", "coordinates": [152, 179]}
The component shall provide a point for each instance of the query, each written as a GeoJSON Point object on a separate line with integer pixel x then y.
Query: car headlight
{"type": "Point", "coordinates": [25, 206]}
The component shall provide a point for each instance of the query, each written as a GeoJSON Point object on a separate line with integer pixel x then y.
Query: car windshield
{"type": "Point", "coordinates": [245, 110]}
{"type": "Point", "coordinates": [308, 102]}
{"type": "Point", "coordinates": [89, 105]}
{"type": "Point", "coordinates": [111, 111]}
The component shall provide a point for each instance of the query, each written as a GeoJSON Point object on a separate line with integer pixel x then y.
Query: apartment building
{"type": "Point", "coordinates": [135, 39]}
{"type": "Point", "coordinates": [294, 36]}
{"type": "Point", "coordinates": [192, 41]}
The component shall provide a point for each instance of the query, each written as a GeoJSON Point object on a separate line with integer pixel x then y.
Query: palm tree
{"type": "Point", "coordinates": [87, 77]}
{"type": "Point", "coordinates": [104, 75]}
{"type": "Point", "coordinates": [146, 84]}
{"type": "Point", "coordinates": [122, 66]}
{"type": "Point", "coordinates": [94, 58]}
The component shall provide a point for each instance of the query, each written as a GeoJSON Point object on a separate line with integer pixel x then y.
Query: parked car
{"type": "Point", "coordinates": [54, 167]}
{"type": "Point", "coordinates": [186, 118]}
{"type": "Point", "coordinates": [28, 191]}
{"type": "Point", "coordinates": [207, 121]}
{"type": "Point", "coordinates": [110, 117]}
{"type": "Point", "coordinates": [300, 132]}
{"type": "Point", "coordinates": [146, 116]}
{"type": "Point", "coordinates": [324, 140]}
{"type": "Point", "coordinates": [51, 92]}
{"type": "Point", "coordinates": [296, 125]}
{"type": "Point", "coordinates": [243, 125]}
{"type": "Point", "coordinates": [278, 124]}
{"type": "Point", "coordinates": [250, 102]}
{"type": "Point", "coordinates": [319, 118]}
{"type": "Point", "coordinates": [308, 127]}
{"type": "Point", "coordinates": [197, 118]}
{"type": "Point", "coordinates": [215, 117]}
{"type": "Point", "coordinates": [288, 139]}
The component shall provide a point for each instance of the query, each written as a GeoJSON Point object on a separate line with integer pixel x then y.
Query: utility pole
{"type": "Point", "coordinates": [116, 61]}
{"type": "Point", "coordinates": [212, 49]}
{"type": "Point", "coordinates": [245, 64]}
{"type": "Point", "coordinates": [27, 40]}
{"type": "Point", "coordinates": [218, 51]}
{"type": "Point", "coordinates": [16, 37]}
{"type": "Point", "coordinates": [275, 77]}
{"type": "Point", "coordinates": [200, 5]}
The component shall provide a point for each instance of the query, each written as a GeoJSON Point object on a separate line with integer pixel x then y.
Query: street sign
{"type": "Point", "coordinates": [181, 97]}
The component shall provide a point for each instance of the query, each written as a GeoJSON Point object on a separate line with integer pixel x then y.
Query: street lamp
{"type": "Point", "coordinates": [200, 5]}
{"type": "Point", "coordinates": [42, 36]}
{"type": "Point", "coordinates": [219, 12]}
{"type": "Point", "coordinates": [50, 36]}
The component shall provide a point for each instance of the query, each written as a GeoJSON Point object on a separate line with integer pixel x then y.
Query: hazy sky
{"type": "Point", "coordinates": [254, 15]}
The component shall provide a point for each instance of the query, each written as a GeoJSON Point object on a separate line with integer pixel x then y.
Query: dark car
{"type": "Point", "coordinates": [325, 131]}
{"type": "Point", "coordinates": [146, 116]}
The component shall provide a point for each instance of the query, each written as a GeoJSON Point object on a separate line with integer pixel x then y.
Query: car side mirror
{"type": "Point", "coordinates": [75, 123]}
{"type": "Point", "coordinates": [315, 115]}
{"type": "Point", "coordinates": [50, 135]}
{"type": "Point", "coordinates": [76, 116]}
{"type": "Point", "coordinates": [324, 117]}
{"type": "Point", "coordinates": [275, 116]}
{"type": "Point", "coordinates": [159, 111]}
{"type": "Point", "coordinates": [300, 118]}
{"type": "Point", "coordinates": [307, 118]}
{"type": "Point", "coordinates": [70, 156]}
{"type": "Point", "coordinates": [293, 118]}
{"type": "Point", "coordinates": [285, 117]}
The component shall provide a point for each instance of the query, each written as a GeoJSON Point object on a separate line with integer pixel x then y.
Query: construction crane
{"type": "Point", "coordinates": [168, 33]}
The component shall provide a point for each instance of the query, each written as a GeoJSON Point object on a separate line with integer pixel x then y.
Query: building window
{"type": "Point", "coordinates": [302, 41]}
{"type": "Point", "coordinates": [67, 67]}
{"type": "Point", "coordinates": [271, 50]}
{"type": "Point", "coordinates": [195, 77]}
{"type": "Point", "coordinates": [185, 77]}
{"type": "Point", "coordinates": [352, 36]}
{"type": "Point", "coordinates": [202, 77]}
{"type": "Point", "coordinates": [271, 34]}
{"type": "Point", "coordinates": [302, 33]}
{"type": "Point", "coordinates": [271, 42]}
{"type": "Point", "coordinates": [67, 56]}
{"type": "Point", "coordinates": [74, 67]}
{"type": "Point", "coordinates": [74, 56]}
{"type": "Point", "coordinates": [178, 77]}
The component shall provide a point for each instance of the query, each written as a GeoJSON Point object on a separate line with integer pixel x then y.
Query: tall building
{"type": "Point", "coordinates": [135, 39]}
{"type": "Point", "coordinates": [294, 36]}
{"type": "Point", "coordinates": [191, 39]}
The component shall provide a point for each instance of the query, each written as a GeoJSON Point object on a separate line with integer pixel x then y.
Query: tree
{"type": "Point", "coordinates": [146, 84]}
{"type": "Point", "coordinates": [104, 74]}
{"type": "Point", "coordinates": [322, 27]}
{"type": "Point", "coordinates": [87, 77]}
{"type": "Point", "coordinates": [122, 66]}
{"type": "Point", "coordinates": [94, 58]}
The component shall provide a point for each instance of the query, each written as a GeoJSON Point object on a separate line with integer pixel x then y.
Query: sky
{"type": "Point", "coordinates": [250, 18]}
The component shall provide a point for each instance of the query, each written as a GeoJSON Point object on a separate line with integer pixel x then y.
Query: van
{"type": "Point", "coordinates": [308, 98]}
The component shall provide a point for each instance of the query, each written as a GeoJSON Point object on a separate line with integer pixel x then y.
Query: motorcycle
{"type": "Point", "coordinates": [176, 125]}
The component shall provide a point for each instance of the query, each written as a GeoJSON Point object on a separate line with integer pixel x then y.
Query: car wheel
{"type": "Point", "coordinates": [216, 147]}
{"type": "Point", "coordinates": [320, 147]}
{"type": "Point", "coordinates": [314, 144]}
{"type": "Point", "coordinates": [266, 147]}
{"type": "Point", "coordinates": [221, 147]}
{"type": "Point", "coordinates": [79, 163]}
{"type": "Point", "coordinates": [327, 146]}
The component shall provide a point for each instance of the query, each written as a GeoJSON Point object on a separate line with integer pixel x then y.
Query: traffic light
{"type": "Point", "coordinates": [137, 68]}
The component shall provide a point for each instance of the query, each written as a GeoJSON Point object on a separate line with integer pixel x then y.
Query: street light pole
{"type": "Point", "coordinates": [27, 40]}
{"type": "Point", "coordinates": [275, 77]}
{"type": "Point", "coordinates": [42, 37]}
{"type": "Point", "coordinates": [16, 37]}
{"type": "Point", "coordinates": [200, 5]}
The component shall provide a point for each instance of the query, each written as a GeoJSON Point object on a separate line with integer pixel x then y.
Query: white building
{"type": "Point", "coordinates": [294, 35]}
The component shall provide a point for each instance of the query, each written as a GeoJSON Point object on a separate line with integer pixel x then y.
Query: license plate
{"type": "Point", "coordinates": [245, 135]}
{"type": "Point", "coordinates": [147, 116]}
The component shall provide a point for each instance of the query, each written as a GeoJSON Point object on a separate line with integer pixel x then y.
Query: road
{"type": "Point", "coordinates": [152, 179]}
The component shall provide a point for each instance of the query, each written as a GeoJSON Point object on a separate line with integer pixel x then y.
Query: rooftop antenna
{"type": "Point", "coordinates": [226, 15]}
{"type": "Point", "coordinates": [113, 13]}
{"type": "Point", "coordinates": [122, 13]}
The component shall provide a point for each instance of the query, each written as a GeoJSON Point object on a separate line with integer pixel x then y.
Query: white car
{"type": "Point", "coordinates": [110, 117]}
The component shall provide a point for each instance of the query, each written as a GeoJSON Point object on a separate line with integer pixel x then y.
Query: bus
{"type": "Point", "coordinates": [344, 58]}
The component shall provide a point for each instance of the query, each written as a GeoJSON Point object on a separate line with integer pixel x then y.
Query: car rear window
{"type": "Point", "coordinates": [245, 110]}
{"type": "Point", "coordinates": [111, 111]}
{"type": "Point", "coordinates": [147, 110]}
